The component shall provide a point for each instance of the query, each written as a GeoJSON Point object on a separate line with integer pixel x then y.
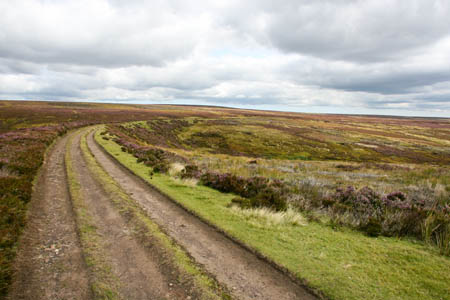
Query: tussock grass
{"type": "Point", "coordinates": [175, 169]}
{"type": "Point", "coordinates": [401, 177]}
{"type": "Point", "coordinates": [187, 181]}
{"type": "Point", "coordinates": [339, 262]}
{"type": "Point", "coordinates": [266, 217]}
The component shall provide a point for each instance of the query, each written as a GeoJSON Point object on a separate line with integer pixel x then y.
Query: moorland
{"type": "Point", "coordinates": [349, 205]}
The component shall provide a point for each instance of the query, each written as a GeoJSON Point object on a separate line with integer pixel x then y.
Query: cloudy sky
{"type": "Point", "coordinates": [335, 56]}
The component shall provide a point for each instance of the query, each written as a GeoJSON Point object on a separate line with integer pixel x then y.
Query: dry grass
{"type": "Point", "coordinates": [341, 263]}
{"type": "Point", "coordinates": [267, 218]}
{"type": "Point", "coordinates": [187, 181]}
{"type": "Point", "coordinates": [175, 169]}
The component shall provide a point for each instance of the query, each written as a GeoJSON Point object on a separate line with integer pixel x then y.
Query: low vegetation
{"type": "Point", "coordinates": [401, 209]}
{"type": "Point", "coordinates": [21, 154]}
{"type": "Point", "coordinates": [176, 259]}
{"type": "Point", "coordinates": [27, 129]}
{"type": "Point", "coordinates": [339, 262]}
{"type": "Point", "coordinates": [104, 284]}
{"type": "Point", "coordinates": [284, 183]}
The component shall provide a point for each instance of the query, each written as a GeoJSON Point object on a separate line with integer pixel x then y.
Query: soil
{"type": "Point", "coordinates": [139, 272]}
{"type": "Point", "coordinates": [49, 263]}
{"type": "Point", "coordinates": [245, 275]}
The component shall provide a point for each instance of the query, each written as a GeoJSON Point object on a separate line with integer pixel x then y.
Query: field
{"type": "Point", "coordinates": [349, 206]}
{"type": "Point", "coordinates": [26, 130]}
{"type": "Point", "coordinates": [392, 179]}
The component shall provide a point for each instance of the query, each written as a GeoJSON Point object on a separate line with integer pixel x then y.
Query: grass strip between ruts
{"type": "Point", "coordinates": [103, 283]}
{"type": "Point", "coordinates": [206, 286]}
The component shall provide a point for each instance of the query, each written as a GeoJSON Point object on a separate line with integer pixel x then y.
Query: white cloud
{"type": "Point", "coordinates": [336, 56]}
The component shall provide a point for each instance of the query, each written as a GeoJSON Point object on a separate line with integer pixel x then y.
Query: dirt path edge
{"type": "Point", "coordinates": [26, 245]}
{"type": "Point", "coordinates": [302, 282]}
{"type": "Point", "coordinates": [35, 197]}
{"type": "Point", "coordinates": [155, 239]}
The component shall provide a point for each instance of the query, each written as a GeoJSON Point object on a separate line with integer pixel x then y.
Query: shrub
{"type": "Point", "coordinates": [241, 202]}
{"type": "Point", "coordinates": [21, 155]}
{"type": "Point", "coordinates": [191, 171]}
{"type": "Point", "coordinates": [160, 167]}
{"type": "Point", "coordinates": [260, 191]}
{"type": "Point", "coordinates": [155, 158]}
{"type": "Point", "coordinates": [254, 185]}
{"type": "Point", "coordinates": [436, 230]}
{"type": "Point", "coordinates": [348, 168]}
{"type": "Point", "coordinates": [271, 198]}
{"type": "Point", "coordinates": [372, 227]}
{"type": "Point", "coordinates": [312, 194]}
{"type": "Point", "coordinates": [393, 214]}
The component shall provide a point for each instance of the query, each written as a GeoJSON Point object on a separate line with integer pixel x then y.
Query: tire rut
{"type": "Point", "coordinates": [245, 275]}
{"type": "Point", "coordinates": [139, 273]}
{"type": "Point", "coordinates": [49, 263]}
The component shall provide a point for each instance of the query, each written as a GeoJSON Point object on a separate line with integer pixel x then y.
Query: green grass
{"type": "Point", "coordinates": [141, 124]}
{"type": "Point", "coordinates": [404, 177]}
{"type": "Point", "coordinates": [309, 138]}
{"type": "Point", "coordinates": [299, 150]}
{"type": "Point", "coordinates": [252, 140]}
{"type": "Point", "coordinates": [342, 264]}
{"type": "Point", "coordinates": [103, 283]}
{"type": "Point", "coordinates": [208, 287]}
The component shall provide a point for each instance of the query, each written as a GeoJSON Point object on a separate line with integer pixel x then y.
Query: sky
{"type": "Point", "coordinates": [389, 57]}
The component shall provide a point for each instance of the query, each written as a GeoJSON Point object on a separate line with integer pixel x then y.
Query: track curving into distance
{"type": "Point", "coordinates": [247, 276]}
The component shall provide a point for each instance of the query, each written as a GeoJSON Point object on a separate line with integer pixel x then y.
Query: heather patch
{"type": "Point", "coordinates": [27, 129]}
{"type": "Point", "coordinates": [368, 192]}
{"type": "Point", "coordinates": [21, 155]}
{"type": "Point", "coordinates": [340, 262]}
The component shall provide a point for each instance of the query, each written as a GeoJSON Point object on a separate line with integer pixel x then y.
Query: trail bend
{"type": "Point", "coordinates": [245, 275]}
{"type": "Point", "coordinates": [51, 261]}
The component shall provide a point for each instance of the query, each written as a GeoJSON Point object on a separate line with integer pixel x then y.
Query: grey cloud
{"type": "Point", "coordinates": [50, 93]}
{"type": "Point", "coordinates": [8, 66]}
{"type": "Point", "coordinates": [360, 31]}
{"type": "Point", "coordinates": [380, 78]}
{"type": "Point", "coordinates": [103, 53]}
{"type": "Point", "coordinates": [53, 94]}
{"type": "Point", "coordinates": [368, 55]}
{"type": "Point", "coordinates": [97, 35]}
{"type": "Point", "coordinates": [402, 83]}
{"type": "Point", "coordinates": [235, 100]}
{"type": "Point", "coordinates": [439, 99]}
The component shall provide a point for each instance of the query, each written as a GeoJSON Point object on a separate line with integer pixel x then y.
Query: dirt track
{"type": "Point", "coordinates": [140, 271]}
{"type": "Point", "coordinates": [137, 270]}
{"type": "Point", "coordinates": [49, 262]}
{"type": "Point", "coordinates": [246, 276]}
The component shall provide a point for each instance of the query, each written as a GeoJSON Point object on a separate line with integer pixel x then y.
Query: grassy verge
{"type": "Point", "coordinates": [147, 231]}
{"type": "Point", "coordinates": [342, 264]}
{"type": "Point", "coordinates": [104, 285]}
